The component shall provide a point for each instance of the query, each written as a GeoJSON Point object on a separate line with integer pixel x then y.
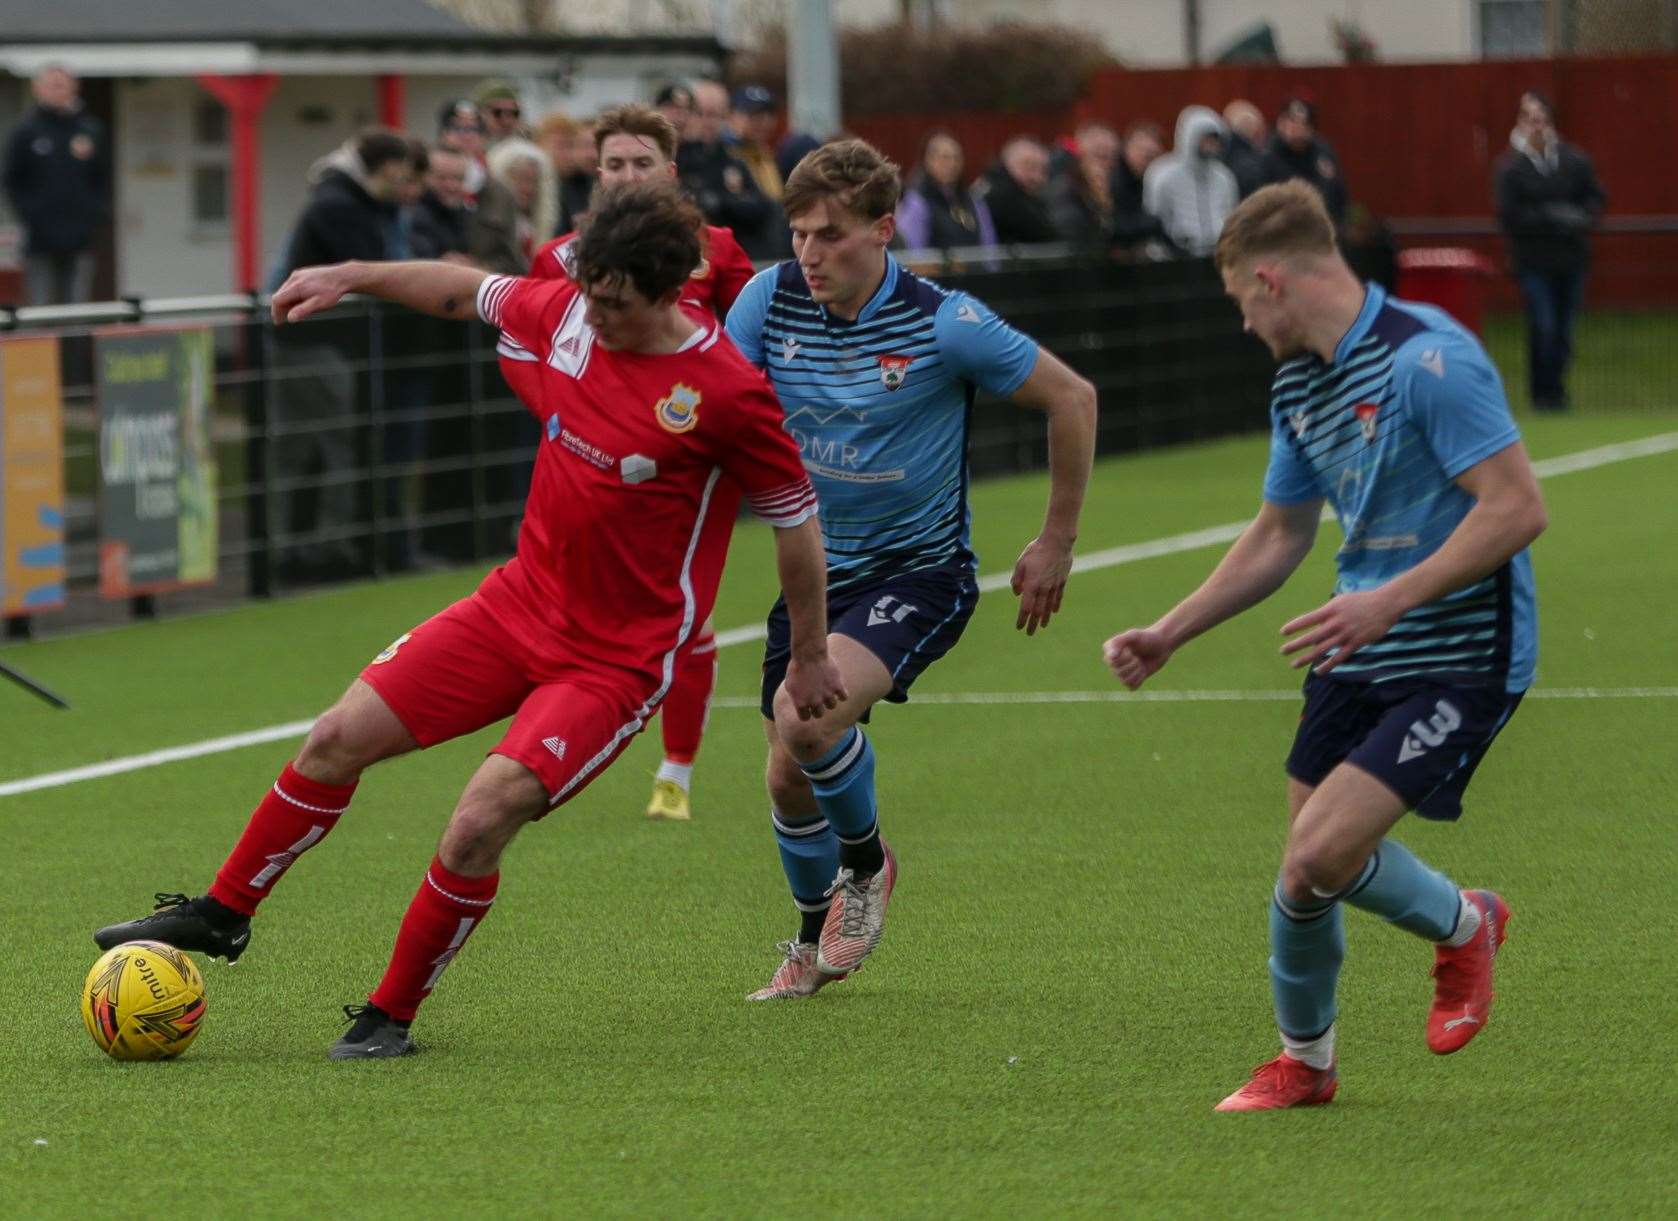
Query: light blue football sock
{"type": "Point", "coordinates": [843, 780]}
{"type": "Point", "coordinates": [1399, 888]}
{"type": "Point", "coordinates": [809, 858]}
{"type": "Point", "coordinates": [1307, 946]}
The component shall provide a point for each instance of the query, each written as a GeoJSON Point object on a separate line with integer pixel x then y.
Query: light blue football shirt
{"type": "Point", "coordinates": [1409, 402]}
{"type": "Point", "coordinates": [880, 409]}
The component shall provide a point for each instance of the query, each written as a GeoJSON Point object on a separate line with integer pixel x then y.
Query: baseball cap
{"type": "Point", "coordinates": [753, 99]}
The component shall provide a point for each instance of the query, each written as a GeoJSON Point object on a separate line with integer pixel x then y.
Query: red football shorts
{"type": "Point", "coordinates": [461, 670]}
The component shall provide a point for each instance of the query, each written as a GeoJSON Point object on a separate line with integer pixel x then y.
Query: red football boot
{"type": "Point", "coordinates": [1462, 975]}
{"type": "Point", "coordinates": [1283, 1082]}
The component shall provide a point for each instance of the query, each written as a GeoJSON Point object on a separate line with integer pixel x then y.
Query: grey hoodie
{"type": "Point", "coordinates": [1192, 194]}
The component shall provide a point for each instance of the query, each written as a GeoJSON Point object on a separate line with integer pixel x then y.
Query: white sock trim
{"type": "Point", "coordinates": [679, 773]}
{"type": "Point", "coordinates": [1317, 1052]}
{"type": "Point", "coordinates": [1468, 923]}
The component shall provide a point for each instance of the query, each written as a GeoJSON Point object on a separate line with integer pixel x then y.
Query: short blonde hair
{"type": "Point", "coordinates": [557, 124]}
{"type": "Point", "coordinates": [1278, 221]}
{"type": "Point", "coordinates": [853, 172]}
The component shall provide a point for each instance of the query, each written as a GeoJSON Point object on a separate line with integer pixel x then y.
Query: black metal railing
{"type": "Point", "coordinates": [372, 440]}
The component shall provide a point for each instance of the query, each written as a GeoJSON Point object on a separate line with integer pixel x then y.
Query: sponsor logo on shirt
{"type": "Point", "coordinates": [678, 411]}
{"type": "Point", "coordinates": [588, 451]}
{"type": "Point", "coordinates": [553, 427]}
{"type": "Point", "coordinates": [1367, 413]}
{"type": "Point", "coordinates": [893, 369]}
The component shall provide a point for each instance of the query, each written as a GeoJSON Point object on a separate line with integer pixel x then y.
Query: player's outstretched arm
{"type": "Point", "coordinates": [1069, 401]}
{"type": "Point", "coordinates": [443, 290]}
{"type": "Point", "coordinates": [1255, 567]}
{"type": "Point", "coordinates": [1508, 514]}
{"type": "Point", "coordinates": [812, 679]}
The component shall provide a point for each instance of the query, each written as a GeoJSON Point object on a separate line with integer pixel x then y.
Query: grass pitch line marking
{"type": "Point", "coordinates": [1212, 536]}
{"type": "Point", "coordinates": [1603, 455]}
{"type": "Point", "coordinates": [1193, 540]}
{"type": "Point", "coordinates": [173, 754]}
{"type": "Point", "coordinates": [1202, 697]}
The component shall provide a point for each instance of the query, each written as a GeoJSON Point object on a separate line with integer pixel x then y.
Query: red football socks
{"type": "Point", "coordinates": [689, 701]}
{"type": "Point", "coordinates": [295, 815]}
{"type": "Point", "coordinates": [445, 910]}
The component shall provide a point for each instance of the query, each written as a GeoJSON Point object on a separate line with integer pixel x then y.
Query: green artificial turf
{"type": "Point", "coordinates": [1073, 973]}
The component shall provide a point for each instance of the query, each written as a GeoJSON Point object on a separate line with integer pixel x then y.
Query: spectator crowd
{"type": "Point", "coordinates": [492, 187]}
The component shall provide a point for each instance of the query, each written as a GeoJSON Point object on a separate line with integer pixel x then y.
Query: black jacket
{"type": "Point", "coordinates": [435, 229]}
{"type": "Point", "coordinates": [1548, 216]}
{"type": "Point", "coordinates": [57, 176]}
{"type": "Point", "coordinates": [341, 221]}
{"type": "Point", "coordinates": [704, 171]}
{"type": "Point", "coordinates": [576, 191]}
{"type": "Point", "coordinates": [1316, 164]}
{"type": "Point", "coordinates": [1132, 223]}
{"type": "Point", "coordinates": [1020, 218]}
{"type": "Point", "coordinates": [1246, 162]}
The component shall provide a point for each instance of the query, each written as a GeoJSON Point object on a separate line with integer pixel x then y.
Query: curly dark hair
{"type": "Point", "coordinates": [645, 233]}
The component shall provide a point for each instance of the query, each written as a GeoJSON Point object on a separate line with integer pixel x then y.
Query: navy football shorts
{"type": "Point", "coordinates": [1421, 738]}
{"type": "Point", "coordinates": [907, 621]}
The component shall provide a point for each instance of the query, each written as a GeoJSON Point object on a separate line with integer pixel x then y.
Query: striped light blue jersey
{"type": "Point", "coordinates": [1409, 403]}
{"type": "Point", "coordinates": [879, 408]}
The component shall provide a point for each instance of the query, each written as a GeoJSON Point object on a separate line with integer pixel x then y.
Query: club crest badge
{"type": "Point", "coordinates": [389, 651]}
{"type": "Point", "coordinates": [678, 411]}
{"type": "Point", "coordinates": [1367, 414]}
{"type": "Point", "coordinates": [789, 350]}
{"type": "Point", "coordinates": [893, 369]}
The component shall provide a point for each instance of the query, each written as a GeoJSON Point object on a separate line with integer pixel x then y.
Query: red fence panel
{"type": "Point", "coordinates": [1420, 139]}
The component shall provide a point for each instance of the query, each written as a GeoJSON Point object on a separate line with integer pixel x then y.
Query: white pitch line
{"type": "Point", "coordinates": [1212, 536]}
{"type": "Point", "coordinates": [173, 754]}
{"type": "Point", "coordinates": [1193, 540]}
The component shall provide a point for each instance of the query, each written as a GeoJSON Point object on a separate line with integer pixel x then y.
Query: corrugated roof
{"type": "Point", "coordinates": [83, 21]}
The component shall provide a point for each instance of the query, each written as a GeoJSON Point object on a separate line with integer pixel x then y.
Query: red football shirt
{"type": "Point", "coordinates": [639, 474]}
{"type": "Point", "coordinates": [722, 273]}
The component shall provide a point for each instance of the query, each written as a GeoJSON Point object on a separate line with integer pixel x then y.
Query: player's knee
{"type": "Point", "coordinates": [334, 752]}
{"type": "Point", "coordinates": [788, 787]}
{"type": "Point", "coordinates": [1314, 869]}
{"type": "Point", "coordinates": [808, 740]}
{"type": "Point", "coordinates": [490, 813]}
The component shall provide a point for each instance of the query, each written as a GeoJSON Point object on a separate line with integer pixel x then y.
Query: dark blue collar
{"type": "Point", "coordinates": [1373, 299]}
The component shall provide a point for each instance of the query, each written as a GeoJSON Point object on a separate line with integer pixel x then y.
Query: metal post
{"type": "Point", "coordinates": [813, 68]}
{"type": "Point", "coordinates": [475, 436]}
{"type": "Point", "coordinates": [375, 434]}
{"type": "Point", "coordinates": [257, 474]}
